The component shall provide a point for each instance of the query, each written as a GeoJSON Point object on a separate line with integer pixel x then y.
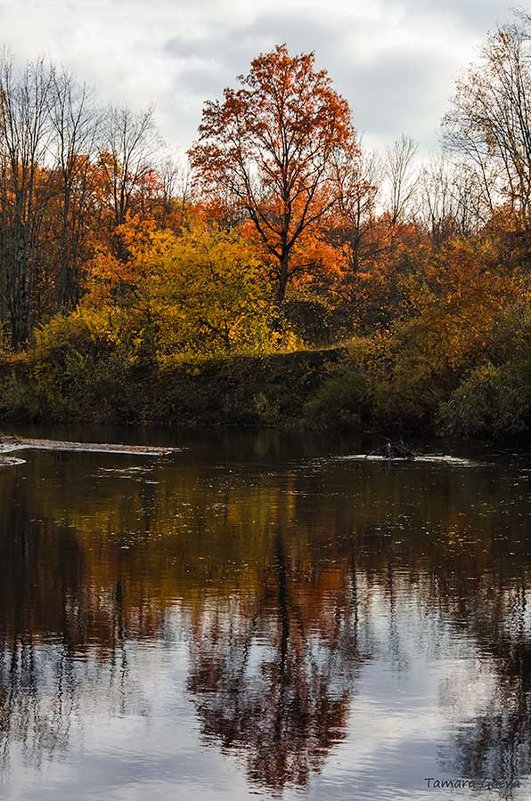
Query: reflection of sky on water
{"type": "Point", "coordinates": [133, 732]}
{"type": "Point", "coordinates": [390, 605]}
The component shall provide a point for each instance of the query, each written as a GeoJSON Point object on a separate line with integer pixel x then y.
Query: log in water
{"type": "Point", "coordinates": [10, 444]}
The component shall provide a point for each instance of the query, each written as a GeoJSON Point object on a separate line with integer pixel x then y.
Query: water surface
{"type": "Point", "coordinates": [262, 615]}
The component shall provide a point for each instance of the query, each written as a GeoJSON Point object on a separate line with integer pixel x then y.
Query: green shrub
{"type": "Point", "coordinates": [267, 413]}
{"type": "Point", "coordinates": [492, 402]}
{"type": "Point", "coordinates": [83, 369]}
{"type": "Point", "coordinates": [17, 398]}
{"type": "Point", "coordinates": [340, 402]}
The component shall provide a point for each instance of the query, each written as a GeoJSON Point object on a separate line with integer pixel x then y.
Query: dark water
{"type": "Point", "coordinates": [259, 615]}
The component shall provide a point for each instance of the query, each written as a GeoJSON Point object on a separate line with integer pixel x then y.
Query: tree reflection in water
{"type": "Point", "coordinates": [274, 679]}
{"type": "Point", "coordinates": [279, 577]}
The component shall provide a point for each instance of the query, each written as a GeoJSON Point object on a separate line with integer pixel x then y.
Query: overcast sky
{"type": "Point", "coordinates": [394, 60]}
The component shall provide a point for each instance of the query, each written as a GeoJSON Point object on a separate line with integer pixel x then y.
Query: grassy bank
{"type": "Point", "coordinates": [363, 385]}
{"type": "Point", "coordinates": [272, 390]}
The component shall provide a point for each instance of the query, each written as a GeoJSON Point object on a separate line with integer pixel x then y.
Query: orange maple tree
{"type": "Point", "coordinates": [271, 144]}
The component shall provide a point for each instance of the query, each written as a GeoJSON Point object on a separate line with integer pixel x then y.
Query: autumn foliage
{"type": "Point", "coordinates": [271, 145]}
{"type": "Point", "coordinates": [283, 232]}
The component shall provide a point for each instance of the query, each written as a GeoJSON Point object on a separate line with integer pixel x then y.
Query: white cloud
{"type": "Point", "coordinates": [394, 60]}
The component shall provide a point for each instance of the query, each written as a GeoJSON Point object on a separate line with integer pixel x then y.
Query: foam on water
{"type": "Point", "coordinates": [428, 457]}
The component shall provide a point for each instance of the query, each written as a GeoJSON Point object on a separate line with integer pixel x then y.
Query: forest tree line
{"type": "Point", "coordinates": [280, 232]}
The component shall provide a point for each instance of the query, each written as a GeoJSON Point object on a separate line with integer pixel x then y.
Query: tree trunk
{"type": "Point", "coordinates": [283, 277]}
{"type": "Point", "coordinates": [278, 323]}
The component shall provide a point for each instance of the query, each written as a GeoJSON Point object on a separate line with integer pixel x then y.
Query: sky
{"type": "Point", "coordinates": [396, 61]}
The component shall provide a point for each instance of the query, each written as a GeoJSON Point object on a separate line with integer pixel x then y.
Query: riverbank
{"type": "Point", "coordinates": [359, 386]}
{"type": "Point", "coordinates": [247, 391]}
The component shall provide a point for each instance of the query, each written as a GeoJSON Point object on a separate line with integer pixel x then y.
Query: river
{"type": "Point", "coordinates": [261, 614]}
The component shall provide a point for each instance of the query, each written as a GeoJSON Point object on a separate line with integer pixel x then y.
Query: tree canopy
{"type": "Point", "coordinates": [270, 145]}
